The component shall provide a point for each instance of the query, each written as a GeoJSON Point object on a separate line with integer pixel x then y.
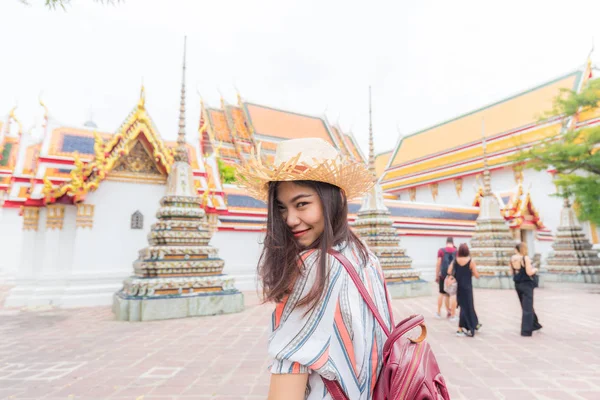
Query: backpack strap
{"type": "Point", "coordinates": [334, 388]}
{"type": "Point", "coordinates": [363, 291]}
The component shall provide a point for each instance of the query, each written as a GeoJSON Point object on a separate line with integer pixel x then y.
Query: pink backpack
{"type": "Point", "coordinates": [410, 370]}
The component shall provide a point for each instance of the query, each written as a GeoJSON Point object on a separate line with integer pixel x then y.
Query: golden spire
{"type": "Point", "coordinates": [371, 144]}
{"type": "Point", "coordinates": [181, 153]}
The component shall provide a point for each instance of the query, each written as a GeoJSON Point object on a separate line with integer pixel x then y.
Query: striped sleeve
{"type": "Point", "coordinates": [300, 341]}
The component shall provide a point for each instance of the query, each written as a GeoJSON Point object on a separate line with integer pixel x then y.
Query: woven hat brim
{"type": "Point", "coordinates": [351, 176]}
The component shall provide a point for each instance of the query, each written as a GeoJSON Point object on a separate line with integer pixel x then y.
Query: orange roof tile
{"type": "Point", "coordinates": [381, 161]}
{"type": "Point", "coordinates": [239, 122]}
{"type": "Point", "coordinates": [452, 142]}
{"type": "Point", "coordinates": [285, 124]}
{"type": "Point", "coordinates": [219, 124]}
{"type": "Point", "coordinates": [517, 111]}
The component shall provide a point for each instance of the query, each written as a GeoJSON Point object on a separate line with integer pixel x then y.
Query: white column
{"type": "Point", "coordinates": [30, 251]}
{"type": "Point", "coordinates": [50, 282]}
{"type": "Point", "coordinates": [88, 286]}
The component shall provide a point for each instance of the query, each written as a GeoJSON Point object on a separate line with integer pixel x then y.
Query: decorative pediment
{"type": "Point", "coordinates": [138, 165]}
{"type": "Point", "coordinates": [135, 152]}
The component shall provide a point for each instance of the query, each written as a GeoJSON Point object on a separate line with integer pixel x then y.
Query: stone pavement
{"type": "Point", "coordinates": [86, 354]}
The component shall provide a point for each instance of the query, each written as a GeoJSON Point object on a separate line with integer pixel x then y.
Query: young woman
{"type": "Point", "coordinates": [463, 269]}
{"type": "Point", "coordinates": [522, 270]}
{"type": "Point", "coordinates": [321, 326]}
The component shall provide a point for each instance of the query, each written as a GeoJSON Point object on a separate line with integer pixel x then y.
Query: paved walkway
{"type": "Point", "coordinates": [85, 354]}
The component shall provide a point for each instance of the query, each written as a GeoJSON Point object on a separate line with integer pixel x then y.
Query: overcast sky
{"type": "Point", "coordinates": [427, 61]}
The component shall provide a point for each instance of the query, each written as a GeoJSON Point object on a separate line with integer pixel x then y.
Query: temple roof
{"type": "Point", "coordinates": [72, 161]}
{"type": "Point", "coordinates": [453, 148]}
{"type": "Point", "coordinates": [516, 206]}
{"type": "Point", "coordinates": [237, 129]}
{"type": "Point", "coordinates": [381, 162]}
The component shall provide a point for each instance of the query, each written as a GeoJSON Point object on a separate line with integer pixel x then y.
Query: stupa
{"type": "Point", "coordinates": [179, 274]}
{"type": "Point", "coordinates": [573, 258]}
{"type": "Point", "coordinates": [374, 225]}
{"type": "Point", "coordinates": [492, 244]}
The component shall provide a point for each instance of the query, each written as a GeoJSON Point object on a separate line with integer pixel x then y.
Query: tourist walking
{"type": "Point", "coordinates": [321, 326]}
{"type": "Point", "coordinates": [523, 276]}
{"type": "Point", "coordinates": [445, 256]}
{"type": "Point", "coordinates": [463, 268]}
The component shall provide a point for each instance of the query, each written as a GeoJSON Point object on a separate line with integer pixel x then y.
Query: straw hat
{"type": "Point", "coordinates": [309, 159]}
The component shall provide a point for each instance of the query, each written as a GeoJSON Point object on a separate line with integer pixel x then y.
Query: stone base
{"type": "Point", "coordinates": [77, 290]}
{"type": "Point", "coordinates": [418, 288]}
{"type": "Point", "coordinates": [570, 277]}
{"type": "Point", "coordinates": [159, 308]}
{"type": "Point", "coordinates": [494, 282]}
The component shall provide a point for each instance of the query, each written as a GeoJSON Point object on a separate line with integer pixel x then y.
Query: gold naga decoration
{"type": "Point", "coordinates": [412, 194]}
{"type": "Point", "coordinates": [458, 185]}
{"type": "Point", "coordinates": [434, 190]}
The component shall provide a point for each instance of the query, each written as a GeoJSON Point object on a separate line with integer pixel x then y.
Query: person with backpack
{"type": "Point", "coordinates": [463, 268]}
{"type": "Point", "coordinates": [332, 327]}
{"type": "Point", "coordinates": [445, 256]}
{"type": "Point", "coordinates": [524, 277]}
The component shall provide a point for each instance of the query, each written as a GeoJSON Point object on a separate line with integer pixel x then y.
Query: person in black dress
{"type": "Point", "coordinates": [463, 268]}
{"type": "Point", "coordinates": [523, 271]}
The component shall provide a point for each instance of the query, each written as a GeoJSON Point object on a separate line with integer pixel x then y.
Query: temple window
{"type": "Point", "coordinates": [137, 220]}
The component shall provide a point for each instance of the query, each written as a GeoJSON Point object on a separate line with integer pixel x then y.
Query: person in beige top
{"type": "Point", "coordinates": [523, 273]}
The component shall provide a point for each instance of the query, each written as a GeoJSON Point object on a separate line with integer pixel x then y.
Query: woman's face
{"type": "Point", "coordinates": [302, 211]}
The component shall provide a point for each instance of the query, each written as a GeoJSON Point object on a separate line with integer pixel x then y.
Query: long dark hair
{"type": "Point", "coordinates": [278, 267]}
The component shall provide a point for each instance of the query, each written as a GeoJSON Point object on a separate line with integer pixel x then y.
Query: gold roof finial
{"type": "Point", "coordinates": [13, 116]}
{"type": "Point", "coordinates": [371, 144]}
{"type": "Point", "coordinates": [142, 102]}
{"type": "Point", "coordinates": [181, 153]}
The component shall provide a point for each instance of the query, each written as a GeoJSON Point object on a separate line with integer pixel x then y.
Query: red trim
{"type": "Point", "coordinates": [51, 160]}
{"type": "Point", "coordinates": [453, 166]}
{"type": "Point", "coordinates": [199, 173]}
{"type": "Point", "coordinates": [227, 229]}
{"type": "Point", "coordinates": [12, 204]}
{"type": "Point", "coordinates": [454, 234]}
{"type": "Point", "coordinates": [20, 179]}
{"type": "Point", "coordinates": [398, 191]}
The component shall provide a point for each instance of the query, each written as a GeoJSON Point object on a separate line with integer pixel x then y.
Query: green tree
{"type": "Point", "coordinates": [227, 172]}
{"type": "Point", "coordinates": [575, 154]}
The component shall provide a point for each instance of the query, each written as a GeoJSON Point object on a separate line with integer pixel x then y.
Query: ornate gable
{"type": "Point", "coordinates": [134, 152]}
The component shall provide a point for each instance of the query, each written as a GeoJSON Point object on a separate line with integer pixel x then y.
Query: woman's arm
{"type": "Point", "coordinates": [474, 269]}
{"type": "Point", "coordinates": [451, 268]}
{"type": "Point", "coordinates": [288, 386]}
{"type": "Point", "coordinates": [528, 267]}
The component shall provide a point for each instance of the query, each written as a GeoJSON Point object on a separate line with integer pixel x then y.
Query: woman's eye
{"type": "Point", "coordinates": [302, 204]}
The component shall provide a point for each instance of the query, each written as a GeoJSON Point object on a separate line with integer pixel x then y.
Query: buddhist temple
{"type": "Point", "coordinates": [75, 199]}
{"type": "Point", "coordinates": [443, 164]}
{"type": "Point", "coordinates": [374, 225]}
{"type": "Point", "coordinates": [178, 274]}
{"type": "Point", "coordinates": [236, 129]}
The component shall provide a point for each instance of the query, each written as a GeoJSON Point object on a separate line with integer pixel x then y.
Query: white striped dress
{"type": "Point", "coordinates": [339, 339]}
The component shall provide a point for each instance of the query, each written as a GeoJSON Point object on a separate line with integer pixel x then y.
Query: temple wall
{"type": "Point", "coordinates": [423, 251]}
{"type": "Point", "coordinates": [11, 235]}
{"type": "Point", "coordinates": [241, 251]}
{"type": "Point", "coordinates": [503, 179]}
{"type": "Point", "coordinates": [115, 245]}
